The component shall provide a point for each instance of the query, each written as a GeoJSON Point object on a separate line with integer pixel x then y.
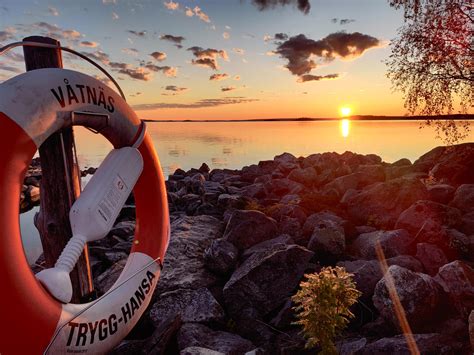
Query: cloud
{"type": "Point", "coordinates": [53, 11]}
{"type": "Point", "coordinates": [7, 34]}
{"type": "Point", "coordinates": [9, 68]}
{"type": "Point", "coordinates": [226, 35]}
{"type": "Point", "coordinates": [300, 50]}
{"type": "Point", "coordinates": [71, 34]}
{"type": "Point", "coordinates": [198, 104]}
{"type": "Point", "coordinates": [202, 16]}
{"type": "Point", "coordinates": [89, 44]}
{"type": "Point", "coordinates": [175, 89]}
{"type": "Point", "coordinates": [130, 51]}
{"type": "Point", "coordinates": [281, 36]}
{"type": "Point", "coordinates": [303, 5]}
{"type": "Point", "coordinates": [237, 77]}
{"type": "Point", "coordinates": [138, 93]}
{"type": "Point", "coordinates": [342, 21]}
{"type": "Point", "coordinates": [136, 73]}
{"type": "Point", "coordinates": [189, 12]}
{"type": "Point", "coordinates": [99, 56]}
{"type": "Point", "coordinates": [228, 88]}
{"type": "Point", "coordinates": [208, 57]}
{"type": "Point", "coordinates": [267, 38]}
{"type": "Point", "coordinates": [173, 39]}
{"type": "Point", "coordinates": [159, 56]}
{"type": "Point", "coordinates": [170, 72]}
{"type": "Point", "coordinates": [103, 79]}
{"type": "Point", "coordinates": [170, 5]}
{"type": "Point", "coordinates": [309, 77]}
{"type": "Point", "coordinates": [115, 16]}
{"type": "Point", "coordinates": [15, 57]}
{"type": "Point", "coordinates": [218, 77]}
{"type": "Point", "coordinates": [238, 51]}
{"type": "Point", "coordinates": [51, 30]}
{"type": "Point", "coordinates": [109, 2]}
{"type": "Point", "coordinates": [137, 33]}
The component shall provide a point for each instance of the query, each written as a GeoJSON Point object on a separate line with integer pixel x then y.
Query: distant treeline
{"type": "Point", "coordinates": [457, 117]}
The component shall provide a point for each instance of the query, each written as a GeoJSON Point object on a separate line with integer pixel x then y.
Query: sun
{"type": "Point", "coordinates": [345, 111]}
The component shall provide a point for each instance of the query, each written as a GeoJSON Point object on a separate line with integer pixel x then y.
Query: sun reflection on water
{"type": "Point", "coordinates": [345, 127]}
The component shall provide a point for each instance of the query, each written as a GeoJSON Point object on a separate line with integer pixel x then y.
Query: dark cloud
{"type": "Point", "coordinates": [208, 57]}
{"type": "Point", "coordinates": [98, 56]}
{"type": "Point", "coordinates": [50, 30]}
{"type": "Point", "coordinates": [167, 70]}
{"type": "Point", "coordinates": [309, 77]}
{"type": "Point", "coordinates": [281, 36]}
{"type": "Point", "coordinates": [9, 68]}
{"type": "Point", "coordinates": [342, 21]}
{"type": "Point", "coordinates": [173, 39]}
{"type": "Point", "coordinates": [7, 35]}
{"type": "Point", "coordinates": [136, 73]}
{"type": "Point", "coordinates": [159, 56]}
{"type": "Point", "coordinates": [228, 88]}
{"type": "Point", "coordinates": [303, 5]}
{"type": "Point", "coordinates": [218, 77]}
{"type": "Point", "coordinates": [116, 65]}
{"type": "Point", "coordinates": [175, 88]}
{"type": "Point", "coordinates": [89, 44]}
{"type": "Point", "coordinates": [198, 104]}
{"type": "Point", "coordinates": [137, 33]}
{"type": "Point", "coordinates": [299, 50]}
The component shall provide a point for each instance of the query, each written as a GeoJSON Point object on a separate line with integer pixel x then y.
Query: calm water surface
{"type": "Point", "coordinates": [234, 145]}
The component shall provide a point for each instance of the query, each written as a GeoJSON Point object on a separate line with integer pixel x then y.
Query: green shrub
{"type": "Point", "coordinates": [322, 306]}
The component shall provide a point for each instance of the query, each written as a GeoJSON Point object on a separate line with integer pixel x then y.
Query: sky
{"type": "Point", "coordinates": [223, 59]}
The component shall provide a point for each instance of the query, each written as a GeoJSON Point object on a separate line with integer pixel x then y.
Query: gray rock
{"type": "Point", "coordinates": [226, 201]}
{"type": "Point", "coordinates": [467, 223]}
{"type": "Point", "coordinates": [370, 173]}
{"type": "Point", "coordinates": [280, 210]}
{"type": "Point", "coordinates": [432, 343]}
{"type": "Point", "coordinates": [285, 158]}
{"type": "Point", "coordinates": [407, 261]}
{"type": "Point", "coordinates": [350, 346]}
{"type": "Point", "coordinates": [419, 295]}
{"type": "Point", "coordinates": [428, 220]}
{"type": "Point", "coordinates": [402, 162]}
{"type": "Point", "coordinates": [198, 335]}
{"type": "Point", "coordinates": [290, 226]}
{"type": "Point", "coordinates": [265, 280]}
{"type": "Point", "coordinates": [366, 275]}
{"type": "Point", "coordinates": [282, 186]}
{"type": "Point", "coordinates": [431, 257]}
{"type": "Point", "coordinates": [316, 218]}
{"type": "Point", "coordinates": [441, 193]}
{"type": "Point", "coordinates": [457, 280]}
{"type": "Point", "coordinates": [328, 240]}
{"type": "Point", "coordinates": [197, 306]}
{"type": "Point", "coordinates": [184, 263]}
{"type": "Point", "coordinates": [247, 228]}
{"type": "Point", "coordinates": [105, 280]}
{"type": "Point", "coordinates": [454, 165]}
{"type": "Point", "coordinates": [256, 190]}
{"type": "Point", "coordinates": [464, 198]}
{"type": "Point", "coordinates": [123, 229]}
{"type": "Point", "coordinates": [291, 199]}
{"type": "Point", "coordinates": [393, 243]}
{"type": "Point", "coordinates": [265, 246]}
{"type": "Point", "coordinates": [221, 256]}
{"type": "Point", "coordinates": [306, 176]}
{"type": "Point", "coordinates": [382, 203]}
{"type": "Point", "coordinates": [196, 350]}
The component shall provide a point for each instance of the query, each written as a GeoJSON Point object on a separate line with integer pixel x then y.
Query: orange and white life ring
{"type": "Point", "coordinates": [33, 106]}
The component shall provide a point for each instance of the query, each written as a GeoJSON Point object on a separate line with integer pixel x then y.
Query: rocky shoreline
{"type": "Point", "coordinates": [242, 241]}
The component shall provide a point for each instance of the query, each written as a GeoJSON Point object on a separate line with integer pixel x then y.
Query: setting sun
{"type": "Point", "coordinates": [345, 111]}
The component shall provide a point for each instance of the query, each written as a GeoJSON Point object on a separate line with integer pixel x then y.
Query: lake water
{"type": "Point", "coordinates": [236, 144]}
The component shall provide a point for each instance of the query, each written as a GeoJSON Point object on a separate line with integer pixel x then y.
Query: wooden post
{"type": "Point", "coordinates": [60, 183]}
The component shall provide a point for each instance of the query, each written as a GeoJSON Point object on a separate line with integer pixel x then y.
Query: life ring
{"type": "Point", "coordinates": [34, 105]}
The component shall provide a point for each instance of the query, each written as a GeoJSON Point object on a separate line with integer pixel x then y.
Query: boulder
{"type": "Point", "coordinates": [197, 306]}
{"type": "Point", "coordinates": [281, 187]}
{"type": "Point", "coordinates": [431, 257]}
{"type": "Point", "coordinates": [393, 172]}
{"type": "Point", "coordinates": [292, 227]}
{"type": "Point", "coordinates": [431, 343]}
{"type": "Point", "coordinates": [402, 162]}
{"type": "Point", "coordinates": [350, 346]}
{"type": "Point", "coordinates": [256, 190]}
{"type": "Point", "coordinates": [265, 246]}
{"type": "Point", "coordinates": [105, 280]}
{"type": "Point", "coordinates": [280, 210]}
{"type": "Point", "coordinates": [455, 165]}
{"type": "Point", "coordinates": [268, 166]}
{"type": "Point", "coordinates": [457, 280]}
{"type": "Point", "coordinates": [247, 228]}
{"type": "Point", "coordinates": [198, 335]}
{"type": "Point", "coordinates": [306, 176]}
{"type": "Point", "coordinates": [429, 159]}
{"type": "Point", "coordinates": [370, 173]}
{"type": "Point", "coordinates": [226, 201]}
{"type": "Point", "coordinates": [419, 295]}
{"type": "Point", "coordinates": [464, 198]}
{"type": "Point", "coordinates": [328, 241]}
{"type": "Point", "coordinates": [221, 256]}
{"type": "Point", "coordinates": [382, 203]}
{"type": "Point", "coordinates": [184, 266]}
{"type": "Point", "coordinates": [393, 243]}
{"type": "Point", "coordinates": [441, 193]}
{"type": "Point", "coordinates": [428, 221]}
{"type": "Point", "coordinates": [285, 158]}
{"type": "Point", "coordinates": [196, 350]}
{"type": "Point", "coordinates": [317, 218]}
{"type": "Point", "coordinates": [204, 168]}
{"type": "Point", "coordinates": [265, 280]}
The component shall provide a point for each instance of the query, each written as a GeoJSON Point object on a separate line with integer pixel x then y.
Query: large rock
{"type": "Point", "coordinates": [419, 296]}
{"type": "Point", "coordinates": [196, 350]}
{"type": "Point", "coordinates": [221, 256]}
{"type": "Point", "coordinates": [455, 165]}
{"type": "Point", "coordinates": [266, 279]}
{"type": "Point", "coordinates": [464, 198]}
{"type": "Point", "coordinates": [382, 203]}
{"type": "Point", "coordinates": [184, 263]}
{"type": "Point", "coordinates": [457, 280]}
{"type": "Point", "coordinates": [441, 193]}
{"type": "Point", "coordinates": [306, 176]}
{"type": "Point", "coordinates": [431, 343]}
{"type": "Point", "coordinates": [328, 241]}
{"type": "Point", "coordinates": [265, 246]}
{"type": "Point", "coordinates": [197, 306]}
{"type": "Point", "coordinates": [247, 228]}
{"type": "Point", "coordinates": [283, 186]}
{"type": "Point", "coordinates": [428, 220]}
{"type": "Point", "coordinates": [467, 224]}
{"type": "Point", "coordinates": [393, 243]}
{"type": "Point", "coordinates": [431, 257]}
{"type": "Point", "coordinates": [429, 159]}
{"type": "Point", "coordinates": [198, 335]}
{"type": "Point", "coordinates": [317, 218]}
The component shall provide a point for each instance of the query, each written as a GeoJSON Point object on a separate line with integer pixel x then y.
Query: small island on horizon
{"type": "Point", "coordinates": [456, 117]}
